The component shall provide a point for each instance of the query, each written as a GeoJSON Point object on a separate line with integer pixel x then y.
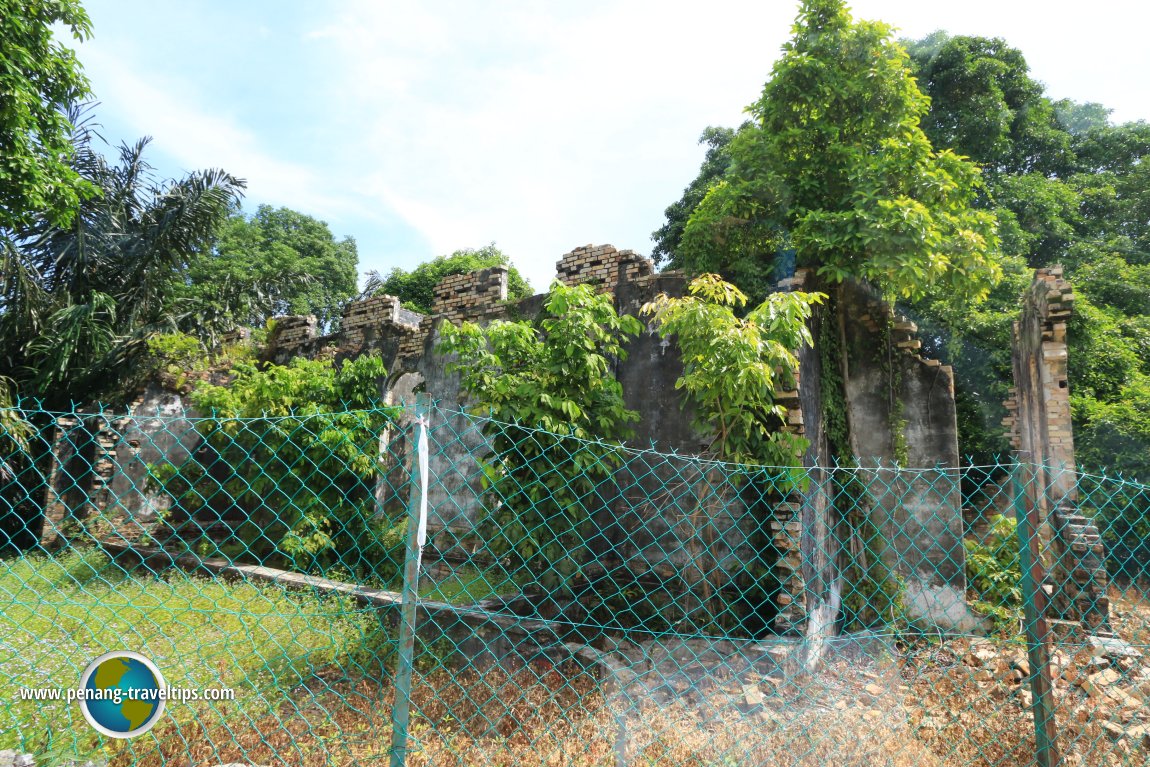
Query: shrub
{"type": "Point", "coordinates": [994, 573]}
{"type": "Point", "coordinates": [292, 454]}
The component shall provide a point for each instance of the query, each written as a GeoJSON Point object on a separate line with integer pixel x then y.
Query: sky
{"type": "Point", "coordinates": [420, 128]}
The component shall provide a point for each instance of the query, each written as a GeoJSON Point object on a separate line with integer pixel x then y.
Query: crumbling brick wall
{"type": "Point", "coordinates": [474, 296]}
{"type": "Point", "coordinates": [1040, 431]}
{"type": "Point", "coordinates": [378, 324]}
{"type": "Point", "coordinates": [407, 343]}
{"type": "Point", "coordinates": [604, 265]}
{"type": "Point", "coordinates": [1039, 424]}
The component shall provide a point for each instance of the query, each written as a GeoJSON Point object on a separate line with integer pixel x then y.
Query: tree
{"type": "Point", "coordinates": [985, 105]}
{"type": "Point", "coordinates": [1068, 188]}
{"type": "Point", "coordinates": [732, 366]}
{"type": "Point", "coordinates": [279, 261]}
{"type": "Point", "coordinates": [555, 409]}
{"type": "Point", "coordinates": [39, 80]}
{"type": "Point", "coordinates": [78, 303]}
{"type": "Point", "coordinates": [837, 168]}
{"type": "Point", "coordinates": [715, 164]}
{"type": "Point", "coordinates": [416, 289]}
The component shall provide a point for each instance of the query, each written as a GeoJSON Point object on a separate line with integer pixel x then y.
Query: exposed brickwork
{"type": "Point", "coordinates": [790, 399]}
{"type": "Point", "coordinates": [1040, 345]}
{"type": "Point", "coordinates": [85, 451]}
{"type": "Point", "coordinates": [291, 335]}
{"type": "Point", "coordinates": [1079, 576]}
{"type": "Point", "coordinates": [1039, 406]}
{"type": "Point", "coordinates": [602, 264]}
{"type": "Point", "coordinates": [786, 527]}
{"type": "Point", "coordinates": [903, 332]}
{"type": "Point", "coordinates": [472, 296]}
{"type": "Point", "coordinates": [378, 324]}
{"type": "Point", "coordinates": [1039, 428]}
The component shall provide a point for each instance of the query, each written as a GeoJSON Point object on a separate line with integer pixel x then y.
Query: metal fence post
{"type": "Point", "coordinates": [416, 516]}
{"type": "Point", "coordinates": [1035, 626]}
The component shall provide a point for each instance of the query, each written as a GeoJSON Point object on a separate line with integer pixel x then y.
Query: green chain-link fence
{"type": "Point", "coordinates": [420, 585]}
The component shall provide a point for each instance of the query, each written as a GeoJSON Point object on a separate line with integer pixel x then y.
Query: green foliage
{"type": "Point", "coordinates": [715, 164]}
{"type": "Point", "coordinates": [14, 431]}
{"type": "Point", "coordinates": [733, 366]}
{"type": "Point", "coordinates": [542, 383]}
{"type": "Point", "coordinates": [832, 388]}
{"type": "Point", "coordinates": [278, 261]}
{"type": "Point", "coordinates": [994, 573]}
{"type": "Point", "coordinates": [985, 105]}
{"type": "Point", "coordinates": [294, 450]}
{"type": "Point", "coordinates": [1068, 188]}
{"type": "Point", "coordinates": [837, 167]}
{"type": "Point", "coordinates": [1121, 511]}
{"type": "Point", "coordinates": [252, 638]}
{"type": "Point", "coordinates": [177, 349]}
{"type": "Point", "coordinates": [78, 303]}
{"type": "Point", "coordinates": [873, 593]}
{"type": "Point", "coordinates": [39, 80]}
{"type": "Point", "coordinates": [176, 357]}
{"type": "Point", "coordinates": [416, 289]}
{"type": "Point", "coordinates": [1115, 434]}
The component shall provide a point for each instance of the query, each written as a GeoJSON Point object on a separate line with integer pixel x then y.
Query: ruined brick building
{"type": "Point", "coordinates": [899, 405]}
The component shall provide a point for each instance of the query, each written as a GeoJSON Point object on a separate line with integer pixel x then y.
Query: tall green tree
{"type": "Point", "coordinates": [1068, 188]}
{"type": "Point", "coordinates": [986, 106]}
{"type": "Point", "coordinates": [837, 168]}
{"type": "Point", "coordinates": [78, 303]}
{"type": "Point", "coordinates": [39, 80]}
{"type": "Point", "coordinates": [714, 167]}
{"type": "Point", "coordinates": [416, 289]}
{"type": "Point", "coordinates": [277, 261]}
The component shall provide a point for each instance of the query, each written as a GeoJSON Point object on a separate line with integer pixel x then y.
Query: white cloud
{"type": "Point", "coordinates": [543, 133]}
{"type": "Point", "coordinates": [541, 127]}
{"type": "Point", "coordinates": [195, 138]}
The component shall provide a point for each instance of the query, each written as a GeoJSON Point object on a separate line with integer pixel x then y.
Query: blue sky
{"type": "Point", "coordinates": [421, 128]}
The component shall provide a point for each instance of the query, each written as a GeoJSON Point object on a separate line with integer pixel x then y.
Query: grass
{"type": "Point", "coordinates": [314, 683]}
{"type": "Point", "coordinates": [59, 613]}
{"type": "Point", "coordinates": [468, 585]}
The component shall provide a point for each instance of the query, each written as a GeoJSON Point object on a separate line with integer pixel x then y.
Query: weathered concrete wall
{"type": "Point", "coordinates": [808, 571]}
{"type": "Point", "coordinates": [160, 427]}
{"type": "Point", "coordinates": [100, 479]}
{"type": "Point", "coordinates": [900, 411]}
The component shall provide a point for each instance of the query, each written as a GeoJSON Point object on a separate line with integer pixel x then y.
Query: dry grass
{"type": "Point", "coordinates": [552, 717]}
{"type": "Point", "coordinates": [936, 712]}
{"type": "Point", "coordinates": [975, 718]}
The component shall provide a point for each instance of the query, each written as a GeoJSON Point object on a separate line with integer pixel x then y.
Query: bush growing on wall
{"type": "Point", "coordinates": [555, 376]}
{"type": "Point", "coordinates": [293, 451]}
{"type": "Point", "coordinates": [733, 365]}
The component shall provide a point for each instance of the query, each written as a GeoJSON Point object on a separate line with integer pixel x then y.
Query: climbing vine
{"type": "Point", "coordinates": [872, 593]}
{"type": "Point", "coordinates": [886, 355]}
